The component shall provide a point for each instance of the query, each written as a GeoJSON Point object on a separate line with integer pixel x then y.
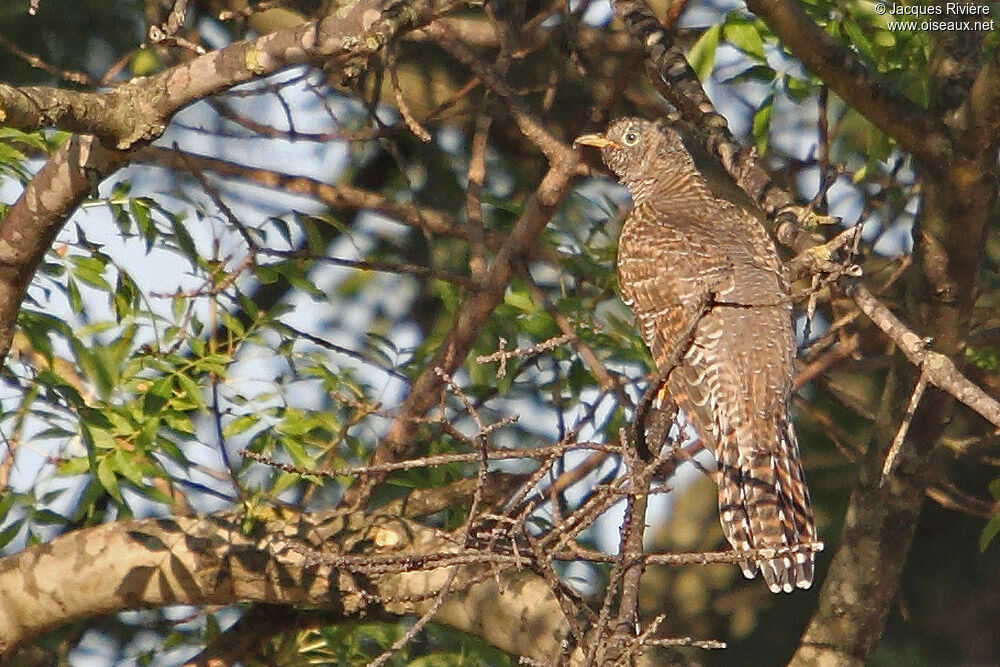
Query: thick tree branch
{"type": "Point", "coordinates": [845, 74]}
{"type": "Point", "coordinates": [33, 221]}
{"type": "Point", "coordinates": [213, 560]}
{"type": "Point", "coordinates": [983, 126]}
{"type": "Point", "coordinates": [139, 111]}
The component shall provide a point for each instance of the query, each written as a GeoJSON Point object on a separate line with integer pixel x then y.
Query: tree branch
{"type": "Point", "coordinates": [938, 369]}
{"type": "Point", "coordinates": [139, 111]}
{"type": "Point", "coordinates": [842, 71]}
{"type": "Point", "coordinates": [214, 560]}
{"type": "Point", "coordinates": [336, 196]}
{"type": "Point", "coordinates": [475, 311]}
{"type": "Point", "coordinates": [983, 127]}
{"type": "Point", "coordinates": [32, 222]}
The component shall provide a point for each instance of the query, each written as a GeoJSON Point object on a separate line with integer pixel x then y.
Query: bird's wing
{"type": "Point", "coordinates": [667, 275]}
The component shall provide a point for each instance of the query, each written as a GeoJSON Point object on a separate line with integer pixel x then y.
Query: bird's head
{"type": "Point", "coordinates": [639, 151]}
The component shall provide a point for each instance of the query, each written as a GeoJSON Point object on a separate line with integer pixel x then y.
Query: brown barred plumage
{"type": "Point", "coordinates": [687, 258]}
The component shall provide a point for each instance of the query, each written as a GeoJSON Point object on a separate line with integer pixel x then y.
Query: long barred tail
{"type": "Point", "coordinates": [764, 503]}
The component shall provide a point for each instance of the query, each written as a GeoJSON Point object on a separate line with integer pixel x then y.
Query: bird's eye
{"type": "Point", "coordinates": [631, 138]}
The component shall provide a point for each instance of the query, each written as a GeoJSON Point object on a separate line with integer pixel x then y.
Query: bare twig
{"type": "Point", "coordinates": [502, 355]}
{"type": "Point", "coordinates": [33, 60]}
{"type": "Point", "coordinates": [904, 426]}
{"type": "Point", "coordinates": [438, 460]}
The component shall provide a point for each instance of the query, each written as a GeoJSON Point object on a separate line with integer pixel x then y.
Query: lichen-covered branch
{"type": "Point", "coordinates": [139, 111]}
{"type": "Point", "coordinates": [227, 558]}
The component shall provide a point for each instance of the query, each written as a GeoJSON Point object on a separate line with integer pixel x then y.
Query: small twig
{"type": "Point", "coordinates": [947, 495]}
{"type": "Point", "coordinates": [38, 63]}
{"type": "Point", "coordinates": [502, 355]}
{"type": "Point", "coordinates": [411, 121]}
{"type": "Point", "coordinates": [371, 265]}
{"type": "Point", "coordinates": [424, 619]}
{"type": "Point", "coordinates": [340, 349]}
{"type": "Point", "coordinates": [167, 32]}
{"type": "Point", "coordinates": [546, 464]}
{"type": "Point", "coordinates": [484, 454]}
{"type": "Point", "coordinates": [819, 259]}
{"type": "Point", "coordinates": [841, 350]}
{"type": "Point", "coordinates": [653, 392]}
{"type": "Point", "coordinates": [589, 357]}
{"type": "Point", "coordinates": [476, 176]}
{"type": "Point", "coordinates": [686, 641]}
{"type": "Point", "coordinates": [708, 557]}
{"type": "Point", "coordinates": [462, 396]}
{"type": "Point", "coordinates": [217, 422]}
{"type": "Point", "coordinates": [627, 568]}
{"type": "Point", "coordinates": [904, 426]}
{"type": "Point", "coordinates": [428, 461]}
{"type": "Point", "coordinates": [632, 530]}
{"type": "Point", "coordinates": [555, 151]}
{"type": "Point", "coordinates": [216, 198]}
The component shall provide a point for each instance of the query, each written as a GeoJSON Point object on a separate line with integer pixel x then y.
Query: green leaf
{"type": "Point", "coordinates": [989, 532]}
{"type": "Point", "coordinates": [10, 532]}
{"type": "Point", "coordinates": [108, 479]}
{"type": "Point", "coordinates": [240, 425]}
{"type": "Point", "coordinates": [798, 89]}
{"type": "Point", "coordinates": [75, 301]}
{"type": "Point", "coordinates": [284, 481]}
{"type": "Point", "coordinates": [858, 39]}
{"type": "Point", "coordinates": [758, 73]}
{"type": "Point", "coordinates": [147, 228]}
{"type": "Point", "coordinates": [91, 271]}
{"type": "Point", "coordinates": [154, 494]}
{"type": "Point", "coordinates": [192, 392]}
{"type": "Point", "coordinates": [178, 421]}
{"type": "Point", "coordinates": [184, 241]}
{"type": "Point", "coordinates": [762, 123]}
{"type": "Point", "coordinates": [745, 36]}
{"type": "Point", "coordinates": [74, 466]}
{"type": "Point", "coordinates": [171, 450]}
{"type": "Point", "coordinates": [702, 54]}
{"type": "Point", "coordinates": [520, 300]}
{"type": "Point", "coordinates": [127, 464]}
{"type": "Point", "coordinates": [99, 437]}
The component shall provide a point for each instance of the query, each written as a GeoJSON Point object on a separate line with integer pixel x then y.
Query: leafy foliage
{"type": "Point", "coordinates": [277, 272]}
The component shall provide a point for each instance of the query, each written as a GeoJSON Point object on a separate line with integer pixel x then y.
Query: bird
{"type": "Point", "coordinates": [712, 301]}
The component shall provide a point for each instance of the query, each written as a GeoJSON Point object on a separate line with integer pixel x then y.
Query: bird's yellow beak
{"type": "Point", "coordinates": [595, 140]}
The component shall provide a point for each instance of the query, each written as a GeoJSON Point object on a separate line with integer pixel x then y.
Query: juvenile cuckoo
{"type": "Point", "coordinates": [707, 286]}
